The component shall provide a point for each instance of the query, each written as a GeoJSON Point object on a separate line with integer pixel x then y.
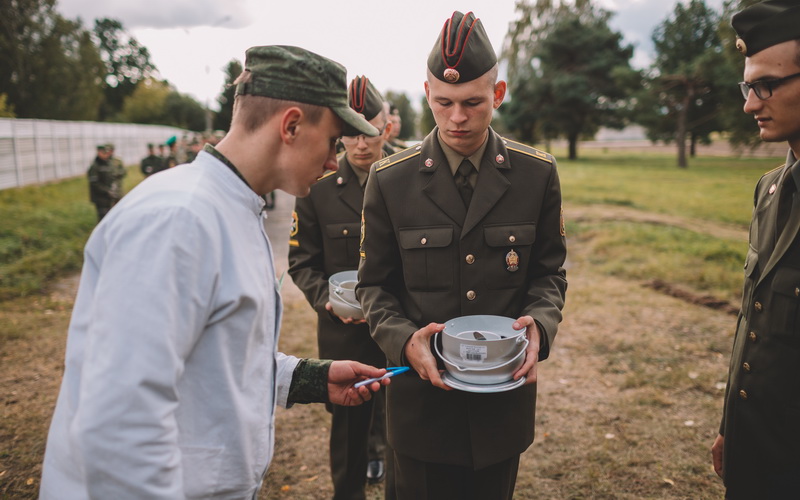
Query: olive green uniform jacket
{"type": "Point", "coordinates": [761, 418]}
{"type": "Point", "coordinates": [151, 164]}
{"type": "Point", "coordinates": [324, 241]}
{"type": "Point", "coordinates": [425, 258]}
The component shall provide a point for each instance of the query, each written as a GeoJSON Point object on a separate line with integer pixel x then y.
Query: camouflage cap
{"type": "Point", "coordinates": [766, 24]}
{"type": "Point", "coordinates": [463, 51]}
{"type": "Point", "coordinates": [364, 98]}
{"type": "Point", "coordinates": [295, 74]}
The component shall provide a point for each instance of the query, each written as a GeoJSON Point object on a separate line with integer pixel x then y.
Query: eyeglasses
{"type": "Point", "coordinates": [764, 88]}
{"type": "Point", "coordinates": [353, 139]}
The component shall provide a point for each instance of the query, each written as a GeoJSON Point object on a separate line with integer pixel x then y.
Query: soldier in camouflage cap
{"type": "Point", "coordinates": [757, 450]}
{"type": "Point", "coordinates": [177, 398]}
{"type": "Point", "coordinates": [105, 184]}
{"type": "Point", "coordinates": [324, 241]}
{"type": "Point", "coordinates": [468, 222]}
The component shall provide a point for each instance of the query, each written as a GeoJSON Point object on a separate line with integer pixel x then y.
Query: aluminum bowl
{"type": "Point", "coordinates": [342, 295]}
{"type": "Point", "coordinates": [481, 340]}
{"type": "Point", "coordinates": [487, 374]}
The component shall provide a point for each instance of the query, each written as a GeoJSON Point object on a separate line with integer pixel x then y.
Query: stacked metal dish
{"type": "Point", "coordinates": [482, 350]}
{"type": "Point", "coordinates": [342, 295]}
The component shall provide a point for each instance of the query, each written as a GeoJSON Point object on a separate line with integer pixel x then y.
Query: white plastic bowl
{"type": "Point", "coordinates": [342, 295]}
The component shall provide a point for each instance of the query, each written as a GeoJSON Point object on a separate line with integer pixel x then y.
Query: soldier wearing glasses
{"type": "Point", "coordinates": [324, 241]}
{"type": "Point", "coordinates": [757, 451]}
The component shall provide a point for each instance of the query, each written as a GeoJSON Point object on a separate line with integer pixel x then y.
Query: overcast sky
{"type": "Point", "coordinates": [192, 41]}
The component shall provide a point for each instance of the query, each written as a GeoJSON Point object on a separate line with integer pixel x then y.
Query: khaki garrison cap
{"type": "Point", "coordinates": [766, 24]}
{"type": "Point", "coordinates": [463, 51]}
{"type": "Point", "coordinates": [295, 74]}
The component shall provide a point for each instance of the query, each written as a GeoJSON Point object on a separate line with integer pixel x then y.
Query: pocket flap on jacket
{"type": "Point", "coordinates": [510, 234]}
{"type": "Point", "coordinates": [787, 282]}
{"type": "Point", "coordinates": [425, 237]}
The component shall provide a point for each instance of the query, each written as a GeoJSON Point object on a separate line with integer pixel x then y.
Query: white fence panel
{"type": "Point", "coordinates": [37, 151]}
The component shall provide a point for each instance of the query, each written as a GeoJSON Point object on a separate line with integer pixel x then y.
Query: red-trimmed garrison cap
{"type": "Point", "coordinates": [364, 98]}
{"type": "Point", "coordinates": [463, 51]}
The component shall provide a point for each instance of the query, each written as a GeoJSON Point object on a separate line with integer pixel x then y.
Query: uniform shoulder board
{"type": "Point", "coordinates": [775, 169]}
{"type": "Point", "coordinates": [327, 174]}
{"type": "Point", "coordinates": [527, 150]}
{"type": "Point", "coordinates": [396, 158]}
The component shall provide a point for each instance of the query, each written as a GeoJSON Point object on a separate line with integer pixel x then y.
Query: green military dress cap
{"type": "Point", "coordinates": [364, 98]}
{"type": "Point", "coordinates": [463, 51]}
{"type": "Point", "coordinates": [295, 74]}
{"type": "Point", "coordinates": [172, 140]}
{"type": "Point", "coordinates": [766, 24]}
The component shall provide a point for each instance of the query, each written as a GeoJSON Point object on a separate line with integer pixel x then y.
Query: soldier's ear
{"type": "Point", "coordinates": [499, 93]}
{"type": "Point", "coordinates": [289, 124]}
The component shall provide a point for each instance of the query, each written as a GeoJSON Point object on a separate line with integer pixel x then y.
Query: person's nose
{"type": "Point", "coordinates": [458, 116]}
{"type": "Point", "coordinates": [753, 103]}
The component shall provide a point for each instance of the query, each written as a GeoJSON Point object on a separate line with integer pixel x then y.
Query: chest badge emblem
{"type": "Point", "coordinates": [512, 261]}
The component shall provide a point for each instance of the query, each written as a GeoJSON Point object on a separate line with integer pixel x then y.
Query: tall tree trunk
{"type": "Point", "coordinates": [693, 146]}
{"type": "Point", "coordinates": [573, 146]}
{"type": "Point", "coordinates": [681, 126]}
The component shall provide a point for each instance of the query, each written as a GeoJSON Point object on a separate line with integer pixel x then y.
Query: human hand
{"type": "Point", "coordinates": [343, 375]}
{"type": "Point", "coordinates": [529, 367]}
{"type": "Point", "coordinates": [716, 454]}
{"type": "Point", "coordinates": [347, 321]}
{"type": "Point", "coordinates": [419, 356]}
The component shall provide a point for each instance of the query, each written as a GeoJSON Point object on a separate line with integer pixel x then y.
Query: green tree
{"type": "Point", "coordinates": [6, 110]}
{"type": "Point", "coordinates": [426, 121]}
{"type": "Point", "coordinates": [158, 103]}
{"type": "Point", "coordinates": [567, 71]}
{"type": "Point", "coordinates": [222, 120]}
{"type": "Point", "coordinates": [684, 102]}
{"type": "Point", "coordinates": [408, 116]}
{"type": "Point", "coordinates": [49, 67]}
{"type": "Point", "coordinates": [127, 63]}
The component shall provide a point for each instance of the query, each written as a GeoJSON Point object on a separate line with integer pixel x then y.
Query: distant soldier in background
{"type": "Point", "coordinates": [194, 147]}
{"type": "Point", "coordinates": [105, 184]}
{"type": "Point", "coordinates": [172, 158]}
{"type": "Point", "coordinates": [151, 163]}
{"type": "Point", "coordinates": [162, 152]}
{"type": "Point", "coordinates": [397, 125]}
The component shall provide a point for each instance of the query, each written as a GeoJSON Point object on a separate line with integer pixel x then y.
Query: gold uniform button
{"type": "Point", "coordinates": [512, 238]}
{"type": "Point", "coordinates": [743, 394]}
{"type": "Point", "coordinates": [752, 336]}
{"type": "Point", "coordinates": [797, 292]}
{"type": "Point", "coordinates": [345, 232]}
{"type": "Point", "coordinates": [746, 367]}
{"type": "Point", "coordinates": [470, 259]}
{"type": "Point", "coordinates": [758, 306]}
{"type": "Point", "coordinates": [471, 295]}
{"type": "Point", "coordinates": [424, 241]}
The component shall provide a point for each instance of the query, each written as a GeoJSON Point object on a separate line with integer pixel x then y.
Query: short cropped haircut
{"type": "Point", "coordinates": [251, 111]}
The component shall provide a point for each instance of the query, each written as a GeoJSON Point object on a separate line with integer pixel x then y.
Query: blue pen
{"type": "Point", "coordinates": [393, 370]}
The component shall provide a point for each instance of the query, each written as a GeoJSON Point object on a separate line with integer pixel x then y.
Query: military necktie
{"type": "Point", "coordinates": [462, 181]}
{"type": "Point", "coordinates": [788, 190]}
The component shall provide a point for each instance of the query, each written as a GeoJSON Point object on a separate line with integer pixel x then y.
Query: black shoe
{"type": "Point", "coordinates": [375, 471]}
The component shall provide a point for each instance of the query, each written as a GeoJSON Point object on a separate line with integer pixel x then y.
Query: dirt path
{"type": "Point", "coordinates": [628, 402]}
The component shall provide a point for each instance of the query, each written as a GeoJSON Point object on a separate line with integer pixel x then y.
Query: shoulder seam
{"type": "Point", "coordinates": [776, 168]}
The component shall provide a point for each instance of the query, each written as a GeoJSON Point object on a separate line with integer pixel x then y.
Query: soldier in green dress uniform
{"type": "Point", "coordinates": [324, 241]}
{"type": "Point", "coordinates": [757, 451]}
{"type": "Point", "coordinates": [466, 223]}
{"type": "Point", "coordinates": [151, 163]}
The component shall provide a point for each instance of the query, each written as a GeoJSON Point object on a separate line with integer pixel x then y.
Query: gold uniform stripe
{"type": "Point", "coordinates": [328, 174]}
{"type": "Point", "coordinates": [392, 161]}
{"type": "Point", "coordinates": [294, 243]}
{"type": "Point", "coordinates": [535, 153]}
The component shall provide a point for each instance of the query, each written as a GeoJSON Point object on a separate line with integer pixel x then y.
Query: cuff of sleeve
{"type": "Point", "coordinates": [310, 382]}
{"type": "Point", "coordinates": [544, 343]}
